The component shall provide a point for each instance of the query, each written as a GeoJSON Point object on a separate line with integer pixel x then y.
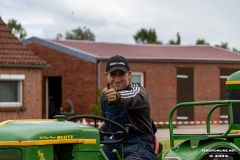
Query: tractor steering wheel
{"type": "Point", "coordinates": [123, 132]}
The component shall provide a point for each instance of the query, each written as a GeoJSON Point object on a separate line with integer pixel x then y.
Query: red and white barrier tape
{"type": "Point", "coordinates": [166, 122]}
{"type": "Point", "coordinates": [193, 122]}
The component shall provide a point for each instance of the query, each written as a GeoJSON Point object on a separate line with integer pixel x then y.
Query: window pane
{"type": "Point", "coordinates": [9, 91]}
{"type": "Point", "coordinates": [136, 79]}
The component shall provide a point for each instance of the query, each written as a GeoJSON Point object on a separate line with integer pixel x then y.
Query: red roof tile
{"type": "Point", "coordinates": [152, 52]}
{"type": "Point", "coordinates": [14, 53]}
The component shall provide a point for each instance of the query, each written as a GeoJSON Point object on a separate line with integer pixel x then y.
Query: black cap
{"type": "Point", "coordinates": [117, 62]}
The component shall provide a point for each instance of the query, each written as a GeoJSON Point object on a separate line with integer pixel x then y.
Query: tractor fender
{"type": "Point", "coordinates": [206, 149]}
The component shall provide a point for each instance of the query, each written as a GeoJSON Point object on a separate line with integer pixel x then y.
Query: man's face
{"type": "Point", "coordinates": [118, 79]}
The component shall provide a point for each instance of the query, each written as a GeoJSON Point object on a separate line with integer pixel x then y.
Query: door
{"type": "Point", "coordinates": [54, 96]}
{"type": "Point", "coordinates": [185, 93]}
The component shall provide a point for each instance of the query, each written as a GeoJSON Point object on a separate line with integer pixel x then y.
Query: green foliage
{"type": "Point", "coordinates": [97, 109]}
{"type": "Point", "coordinates": [236, 50]}
{"type": "Point", "coordinates": [201, 42]}
{"type": "Point", "coordinates": [59, 36]}
{"type": "Point", "coordinates": [177, 42]}
{"type": "Point", "coordinates": [78, 34]}
{"type": "Point", "coordinates": [223, 45]}
{"type": "Point", "coordinates": [17, 29]}
{"type": "Point", "coordinates": [164, 125]}
{"type": "Point", "coordinates": [144, 36]}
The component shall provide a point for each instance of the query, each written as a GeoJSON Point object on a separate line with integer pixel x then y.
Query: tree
{"type": "Point", "coordinates": [59, 36]}
{"type": "Point", "coordinates": [78, 34]}
{"type": "Point", "coordinates": [97, 109]}
{"type": "Point", "coordinates": [178, 41]}
{"type": "Point", "coordinates": [201, 42]}
{"type": "Point", "coordinates": [144, 36]}
{"type": "Point", "coordinates": [236, 50]}
{"type": "Point", "coordinates": [223, 45]}
{"type": "Point", "coordinates": [17, 29]}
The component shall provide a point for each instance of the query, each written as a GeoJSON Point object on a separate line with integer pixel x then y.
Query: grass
{"type": "Point", "coordinates": [166, 146]}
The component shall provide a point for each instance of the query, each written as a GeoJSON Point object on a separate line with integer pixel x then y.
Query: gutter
{"type": "Point", "coordinates": [62, 48]}
{"type": "Point", "coordinates": [206, 61]}
{"type": "Point", "coordinates": [99, 74]}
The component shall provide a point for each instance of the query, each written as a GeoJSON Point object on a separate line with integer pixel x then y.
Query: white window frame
{"type": "Point", "coordinates": [224, 77]}
{"type": "Point", "coordinates": [182, 76]}
{"type": "Point", "coordinates": [141, 77]}
{"type": "Point", "coordinates": [13, 77]}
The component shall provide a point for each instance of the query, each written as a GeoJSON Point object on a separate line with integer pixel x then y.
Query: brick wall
{"type": "Point", "coordinates": [79, 77]}
{"type": "Point", "coordinates": [79, 82]}
{"type": "Point", "coordinates": [32, 94]}
{"type": "Point", "coordinates": [161, 83]}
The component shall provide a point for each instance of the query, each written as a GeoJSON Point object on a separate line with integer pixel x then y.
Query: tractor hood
{"type": "Point", "coordinates": [41, 132]}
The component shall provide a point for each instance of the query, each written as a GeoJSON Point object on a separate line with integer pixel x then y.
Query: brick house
{"type": "Point", "coordinates": [20, 78]}
{"type": "Point", "coordinates": [171, 74]}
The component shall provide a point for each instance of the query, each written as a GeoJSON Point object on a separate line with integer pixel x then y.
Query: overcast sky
{"type": "Point", "coordinates": [117, 21]}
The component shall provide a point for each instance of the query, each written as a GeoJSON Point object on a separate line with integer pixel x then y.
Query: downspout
{"type": "Point", "coordinates": [99, 74]}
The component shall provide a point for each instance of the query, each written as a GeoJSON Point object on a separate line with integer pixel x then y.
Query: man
{"type": "Point", "coordinates": [127, 103]}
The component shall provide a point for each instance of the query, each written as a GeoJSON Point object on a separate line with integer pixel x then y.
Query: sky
{"type": "Point", "coordinates": [116, 21]}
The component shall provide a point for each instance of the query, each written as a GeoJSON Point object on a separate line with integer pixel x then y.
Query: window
{"type": "Point", "coordinates": [137, 78]}
{"type": "Point", "coordinates": [11, 90]}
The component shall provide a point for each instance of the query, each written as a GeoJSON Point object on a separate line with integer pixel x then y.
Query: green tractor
{"type": "Point", "coordinates": [209, 145]}
{"type": "Point", "coordinates": [53, 139]}
{"type": "Point", "coordinates": [61, 139]}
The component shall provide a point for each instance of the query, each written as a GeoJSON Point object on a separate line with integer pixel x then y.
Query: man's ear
{"type": "Point", "coordinates": [130, 73]}
{"type": "Point", "coordinates": [106, 73]}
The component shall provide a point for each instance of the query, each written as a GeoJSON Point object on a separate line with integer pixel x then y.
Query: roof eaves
{"type": "Point", "coordinates": [184, 61]}
{"type": "Point", "coordinates": [62, 48]}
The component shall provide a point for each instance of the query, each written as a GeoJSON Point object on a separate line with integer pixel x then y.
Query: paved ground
{"type": "Point", "coordinates": [163, 134]}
